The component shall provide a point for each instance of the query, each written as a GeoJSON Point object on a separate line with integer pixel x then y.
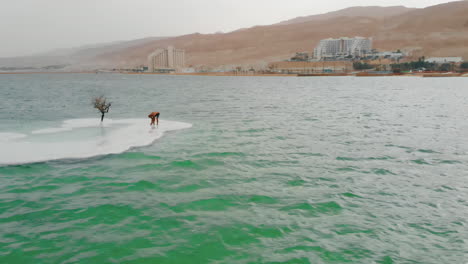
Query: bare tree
{"type": "Point", "coordinates": [101, 105]}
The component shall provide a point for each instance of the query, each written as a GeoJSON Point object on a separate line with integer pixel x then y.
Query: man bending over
{"type": "Point", "coordinates": [154, 117]}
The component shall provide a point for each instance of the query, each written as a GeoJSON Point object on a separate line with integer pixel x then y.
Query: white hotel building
{"type": "Point", "coordinates": [441, 60]}
{"type": "Point", "coordinates": [328, 48]}
{"type": "Point", "coordinates": [169, 59]}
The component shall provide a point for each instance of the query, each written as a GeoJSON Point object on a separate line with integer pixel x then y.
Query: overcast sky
{"type": "Point", "coordinates": [34, 26]}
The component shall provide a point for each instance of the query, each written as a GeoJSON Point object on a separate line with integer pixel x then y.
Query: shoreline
{"type": "Point", "coordinates": [72, 72]}
{"type": "Point", "coordinates": [225, 74]}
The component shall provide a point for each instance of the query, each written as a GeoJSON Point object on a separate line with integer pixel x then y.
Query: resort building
{"type": "Point", "coordinates": [342, 47]}
{"type": "Point", "coordinates": [389, 55]}
{"type": "Point", "coordinates": [442, 60]}
{"type": "Point", "coordinates": [166, 60]}
{"type": "Point", "coordinates": [307, 67]}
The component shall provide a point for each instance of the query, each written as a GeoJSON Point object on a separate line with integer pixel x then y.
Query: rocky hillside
{"type": "Point", "coordinates": [357, 11]}
{"type": "Point", "coordinates": [440, 30]}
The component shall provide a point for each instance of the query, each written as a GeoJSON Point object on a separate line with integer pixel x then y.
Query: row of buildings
{"type": "Point", "coordinates": [341, 55]}
{"type": "Point", "coordinates": [345, 48]}
{"type": "Point", "coordinates": [330, 56]}
{"type": "Point", "coordinates": [170, 59]}
{"type": "Point", "coordinates": [311, 67]}
{"type": "Point", "coordinates": [442, 60]}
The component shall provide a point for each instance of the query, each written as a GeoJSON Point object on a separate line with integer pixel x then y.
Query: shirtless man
{"type": "Point", "coordinates": [154, 117]}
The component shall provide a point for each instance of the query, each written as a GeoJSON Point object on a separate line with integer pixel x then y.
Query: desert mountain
{"type": "Point", "coordinates": [81, 57]}
{"type": "Point", "coordinates": [440, 30]}
{"type": "Point", "coordinates": [358, 11]}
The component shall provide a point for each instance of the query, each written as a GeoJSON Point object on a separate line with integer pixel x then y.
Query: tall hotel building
{"type": "Point", "coordinates": [356, 46]}
{"type": "Point", "coordinates": [169, 59]}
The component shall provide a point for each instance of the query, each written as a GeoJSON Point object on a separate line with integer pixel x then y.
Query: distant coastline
{"type": "Point", "coordinates": [71, 72]}
{"type": "Point", "coordinates": [434, 31]}
{"type": "Point", "coordinates": [230, 74]}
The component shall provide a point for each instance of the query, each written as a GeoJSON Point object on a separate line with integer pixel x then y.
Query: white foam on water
{"type": "Point", "coordinates": [5, 137]}
{"type": "Point", "coordinates": [81, 138]}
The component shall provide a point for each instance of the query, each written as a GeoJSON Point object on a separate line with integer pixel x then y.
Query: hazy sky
{"type": "Point", "coordinates": [34, 26]}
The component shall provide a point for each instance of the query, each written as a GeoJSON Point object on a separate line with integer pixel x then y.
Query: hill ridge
{"type": "Point", "coordinates": [440, 30]}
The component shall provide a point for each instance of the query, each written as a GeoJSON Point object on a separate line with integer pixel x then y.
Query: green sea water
{"type": "Point", "coordinates": [273, 170]}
